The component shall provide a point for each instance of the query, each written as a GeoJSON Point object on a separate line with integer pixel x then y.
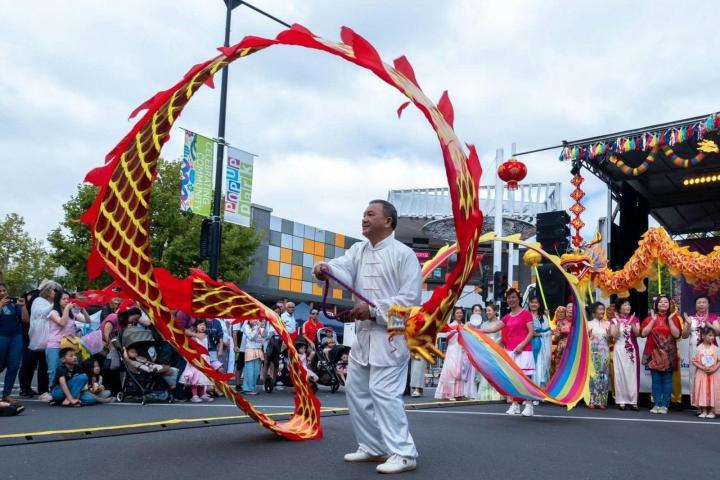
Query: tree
{"type": "Point", "coordinates": [174, 235]}
{"type": "Point", "coordinates": [23, 261]}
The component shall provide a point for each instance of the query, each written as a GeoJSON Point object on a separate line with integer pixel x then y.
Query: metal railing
{"type": "Point", "coordinates": [525, 202]}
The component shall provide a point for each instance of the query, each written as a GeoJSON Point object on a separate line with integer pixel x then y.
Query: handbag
{"type": "Point", "coordinates": [659, 358]}
{"type": "Point", "coordinates": [112, 361]}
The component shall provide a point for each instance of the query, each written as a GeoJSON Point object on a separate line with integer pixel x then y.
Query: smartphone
{"type": "Point", "coordinates": [12, 299]}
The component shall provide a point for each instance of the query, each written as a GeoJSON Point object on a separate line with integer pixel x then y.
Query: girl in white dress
{"type": "Point", "coordinates": [485, 391]}
{"type": "Point", "coordinates": [191, 376]}
{"type": "Point", "coordinates": [457, 375]}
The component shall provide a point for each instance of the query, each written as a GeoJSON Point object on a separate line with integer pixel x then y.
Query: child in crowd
{"type": "Point", "coordinates": [302, 353]}
{"type": "Point", "coordinates": [328, 342]}
{"type": "Point", "coordinates": [69, 382]}
{"type": "Point", "coordinates": [95, 387]}
{"type": "Point", "coordinates": [707, 381]}
{"type": "Point", "coordinates": [137, 363]}
{"type": "Point", "coordinates": [191, 376]}
{"type": "Point", "coordinates": [342, 367]}
{"type": "Point", "coordinates": [254, 335]}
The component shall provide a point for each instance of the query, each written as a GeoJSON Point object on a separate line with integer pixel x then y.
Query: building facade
{"type": "Point", "coordinates": [284, 260]}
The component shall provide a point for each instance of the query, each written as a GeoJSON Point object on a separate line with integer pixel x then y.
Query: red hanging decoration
{"type": "Point", "coordinates": [512, 171]}
{"type": "Point", "coordinates": [577, 209]}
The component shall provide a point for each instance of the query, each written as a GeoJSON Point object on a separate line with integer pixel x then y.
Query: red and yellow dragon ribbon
{"type": "Point", "coordinates": [120, 225]}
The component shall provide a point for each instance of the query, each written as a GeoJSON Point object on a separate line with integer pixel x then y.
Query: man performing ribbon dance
{"type": "Point", "coordinates": [385, 272]}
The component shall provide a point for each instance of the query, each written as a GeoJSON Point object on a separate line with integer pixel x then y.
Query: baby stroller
{"type": "Point", "coordinates": [141, 386]}
{"type": "Point", "coordinates": [327, 364]}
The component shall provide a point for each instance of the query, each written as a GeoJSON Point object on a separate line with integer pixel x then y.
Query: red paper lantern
{"type": "Point", "coordinates": [512, 171]}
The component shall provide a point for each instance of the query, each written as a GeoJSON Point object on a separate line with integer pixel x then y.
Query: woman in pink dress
{"type": "Point", "coordinates": [518, 332]}
{"type": "Point", "coordinates": [707, 382]}
{"type": "Point", "coordinates": [457, 378]}
{"type": "Point", "coordinates": [691, 330]}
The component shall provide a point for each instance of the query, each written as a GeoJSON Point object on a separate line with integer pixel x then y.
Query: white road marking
{"type": "Point", "coordinates": [570, 417]}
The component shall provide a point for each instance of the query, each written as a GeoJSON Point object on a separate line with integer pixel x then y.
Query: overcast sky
{"type": "Point", "coordinates": [326, 132]}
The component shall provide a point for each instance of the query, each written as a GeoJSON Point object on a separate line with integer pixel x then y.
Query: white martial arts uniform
{"type": "Point", "coordinates": [387, 274]}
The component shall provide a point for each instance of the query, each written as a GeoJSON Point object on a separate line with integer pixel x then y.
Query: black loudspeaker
{"type": "Point", "coordinates": [557, 218]}
{"type": "Point", "coordinates": [552, 231]}
{"type": "Point", "coordinates": [554, 286]}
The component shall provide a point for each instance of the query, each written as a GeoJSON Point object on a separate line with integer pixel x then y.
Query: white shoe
{"type": "Point", "coordinates": [536, 403]}
{"type": "Point", "coordinates": [655, 409]}
{"type": "Point", "coordinates": [662, 410]}
{"type": "Point", "coordinates": [416, 393]}
{"type": "Point", "coordinates": [528, 410]}
{"type": "Point", "coordinates": [710, 415]}
{"type": "Point", "coordinates": [397, 464]}
{"type": "Point", "coordinates": [514, 409]}
{"type": "Point", "coordinates": [362, 456]}
{"type": "Point", "coordinates": [703, 415]}
{"type": "Point", "coordinates": [207, 398]}
{"type": "Point", "coordinates": [45, 397]}
{"type": "Point", "coordinates": [196, 399]}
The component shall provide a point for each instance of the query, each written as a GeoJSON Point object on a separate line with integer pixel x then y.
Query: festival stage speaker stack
{"type": "Point", "coordinates": [553, 232]}
{"type": "Point", "coordinates": [554, 286]}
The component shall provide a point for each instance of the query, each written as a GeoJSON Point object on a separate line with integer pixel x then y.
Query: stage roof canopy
{"type": "Point", "coordinates": [674, 166]}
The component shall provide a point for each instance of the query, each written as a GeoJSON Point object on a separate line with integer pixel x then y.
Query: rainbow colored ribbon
{"type": "Point", "coordinates": [568, 385]}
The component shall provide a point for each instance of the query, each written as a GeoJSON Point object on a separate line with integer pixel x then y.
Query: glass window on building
{"type": "Point", "coordinates": [275, 238]}
{"type": "Point", "coordinates": [298, 229]}
{"type": "Point", "coordinates": [275, 224]}
{"type": "Point", "coordinates": [287, 241]}
{"type": "Point", "coordinates": [287, 226]}
{"type": "Point", "coordinates": [308, 260]}
{"type": "Point", "coordinates": [297, 258]}
{"type": "Point", "coordinates": [320, 236]}
{"type": "Point", "coordinates": [285, 270]}
{"type": "Point", "coordinates": [307, 274]}
{"type": "Point", "coordinates": [309, 232]}
{"type": "Point", "coordinates": [273, 253]}
{"type": "Point", "coordinates": [297, 244]}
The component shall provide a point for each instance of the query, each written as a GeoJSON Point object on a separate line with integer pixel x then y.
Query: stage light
{"type": "Point", "coordinates": [702, 180]}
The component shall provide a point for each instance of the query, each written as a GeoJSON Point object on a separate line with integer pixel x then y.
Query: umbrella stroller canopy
{"type": "Point", "coordinates": [134, 335]}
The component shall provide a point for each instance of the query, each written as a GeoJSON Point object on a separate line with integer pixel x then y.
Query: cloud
{"type": "Point", "coordinates": [325, 131]}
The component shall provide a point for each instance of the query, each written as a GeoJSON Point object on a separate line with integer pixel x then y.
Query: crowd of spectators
{"type": "Point", "coordinates": [65, 356]}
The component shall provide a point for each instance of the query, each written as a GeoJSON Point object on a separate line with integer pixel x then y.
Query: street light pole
{"type": "Point", "coordinates": [216, 230]}
{"type": "Point", "coordinates": [216, 225]}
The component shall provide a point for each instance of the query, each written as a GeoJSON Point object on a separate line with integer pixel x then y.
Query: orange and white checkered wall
{"type": "Point", "coordinates": [294, 248]}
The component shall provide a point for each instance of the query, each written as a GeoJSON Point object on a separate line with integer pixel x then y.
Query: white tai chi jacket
{"type": "Point", "coordinates": [387, 274]}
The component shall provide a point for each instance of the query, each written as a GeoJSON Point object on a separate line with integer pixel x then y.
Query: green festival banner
{"type": "Point", "coordinates": [196, 174]}
{"type": "Point", "coordinates": [238, 186]}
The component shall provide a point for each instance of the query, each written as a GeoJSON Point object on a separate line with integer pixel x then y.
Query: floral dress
{"type": "Point", "coordinates": [626, 362]}
{"type": "Point", "coordinates": [562, 332]}
{"type": "Point", "coordinates": [600, 352]}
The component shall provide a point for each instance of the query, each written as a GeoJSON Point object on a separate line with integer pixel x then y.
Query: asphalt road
{"type": "Point", "coordinates": [464, 440]}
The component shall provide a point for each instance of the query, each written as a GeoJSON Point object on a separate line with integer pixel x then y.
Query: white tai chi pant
{"type": "Point", "coordinates": [374, 396]}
